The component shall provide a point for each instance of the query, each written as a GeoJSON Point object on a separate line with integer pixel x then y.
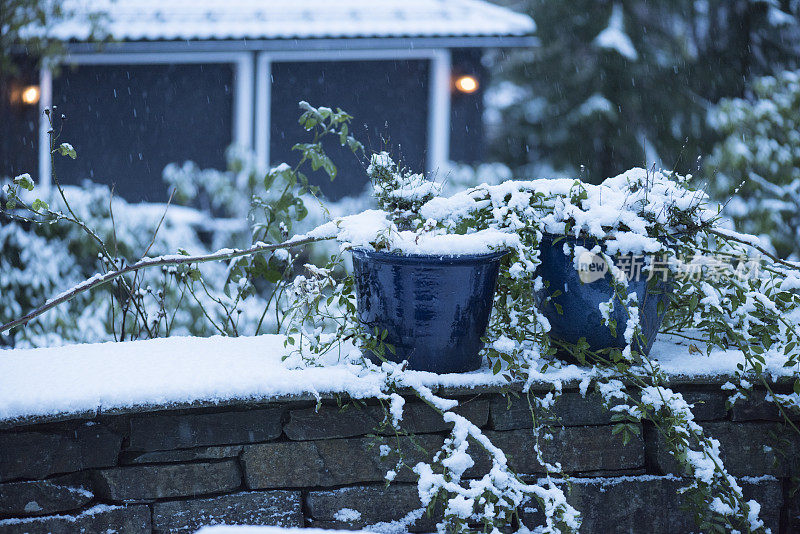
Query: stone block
{"type": "Point", "coordinates": [39, 454]}
{"type": "Point", "coordinates": [747, 449]}
{"type": "Point", "coordinates": [333, 422]}
{"type": "Point", "coordinates": [148, 482]}
{"type": "Point", "coordinates": [647, 503]}
{"type": "Point", "coordinates": [419, 418]}
{"type": "Point", "coordinates": [165, 432]}
{"type": "Point", "coordinates": [273, 508]}
{"type": "Point", "coordinates": [792, 511]}
{"type": "Point", "coordinates": [707, 405]}
{"type": "Point", "coordinates": [101, 518]}
{"type": "Point", "coordinates": [182, 455]}
{"type": "Point", "coordinates": [571, 409]}
{"type": "Point", "coordinates": [579, 449]}
{"type": "Point", "coordinates": [374, 504]}
{"type": "Point", "coordinates": [303, 464]}
{"type": "Point", "coordinates": [768, 492]}
{"type": "Point", "coordinates": [40, 497]}
{"type": "Point", "coordinates": [756, 408]}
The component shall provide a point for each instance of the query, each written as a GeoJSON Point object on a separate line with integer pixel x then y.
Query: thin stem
{"type": "Point", "coordinates": [99, 280]}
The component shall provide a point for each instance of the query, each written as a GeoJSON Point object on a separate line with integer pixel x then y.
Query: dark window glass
{"type": "Point", "coordinates": [19, 137]}
{"type": "Point", "coordinates": [127, 122]}
{"type": "Point", "coordinates": [389, 100]}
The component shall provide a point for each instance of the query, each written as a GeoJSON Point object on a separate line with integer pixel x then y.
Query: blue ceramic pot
{"type": "Point", "coordinates": [580, 299]}
{"type": "Point", "coordinates": [435, 309]}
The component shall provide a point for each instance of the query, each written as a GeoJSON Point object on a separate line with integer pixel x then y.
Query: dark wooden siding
{"type": "Point", "coordinates": [466, 110]}
{"type": "Point", "coordinates": [127, 122]}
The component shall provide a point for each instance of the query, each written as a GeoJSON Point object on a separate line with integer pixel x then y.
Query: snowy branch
{"type": "Point", "coordinates": [751, 241]}
{"type": "Point", "coordinates": [101, 279]}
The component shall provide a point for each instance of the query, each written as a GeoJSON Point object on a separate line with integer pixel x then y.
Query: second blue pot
{"type": "Point", "coordinates": [579, 301]}
{"type": "Point", "coordinates": [435, 309]}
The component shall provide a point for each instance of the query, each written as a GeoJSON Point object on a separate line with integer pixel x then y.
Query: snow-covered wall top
{"type": "Point", "coordinates": [296, 19]}
{"type": "Point", "coordinates": [107, 378]}
{"type": "Point", "coordinates": [299, 463]}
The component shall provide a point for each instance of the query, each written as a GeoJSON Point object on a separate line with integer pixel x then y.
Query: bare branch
{"type": "Point", "coordinates": [750, 242]}
{"type": "Point", "coordinates": [101, 279]}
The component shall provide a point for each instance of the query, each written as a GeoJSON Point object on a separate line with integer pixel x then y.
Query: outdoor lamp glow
{"type": "Point", "coordinates": [30, 95]}
{"type": "Point", "coordinates": [467, 84]}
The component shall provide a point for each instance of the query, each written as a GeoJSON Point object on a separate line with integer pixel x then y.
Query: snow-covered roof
{"type": "Point", "coordinates": [159, 20]}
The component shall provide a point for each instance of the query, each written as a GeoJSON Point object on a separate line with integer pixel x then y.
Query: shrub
{"type": "Point", "coordinates": [758, 161]}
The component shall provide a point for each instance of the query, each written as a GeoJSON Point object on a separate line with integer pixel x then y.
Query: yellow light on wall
{"type": "Point", "coordinates": [467, 84]}
{"type": "Point", "coordinates": [30, 95]}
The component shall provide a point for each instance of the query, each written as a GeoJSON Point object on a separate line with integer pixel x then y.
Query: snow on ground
{"type": "Point", "coordinates": [180, 370]}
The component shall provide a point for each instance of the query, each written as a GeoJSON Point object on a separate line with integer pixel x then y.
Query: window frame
{"type": "Point", "coordinates": [243, 85]}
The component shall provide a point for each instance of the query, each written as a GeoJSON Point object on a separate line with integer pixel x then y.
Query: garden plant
{"type": "Point", "coordinates": [718, 289]}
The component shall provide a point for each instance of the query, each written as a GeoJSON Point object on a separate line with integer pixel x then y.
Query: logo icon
{"type": "Point", "coordinates": [591, 267]}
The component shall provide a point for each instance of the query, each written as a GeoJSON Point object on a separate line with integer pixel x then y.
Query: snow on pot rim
{"type": "Point", "coordinates": [375, 231]}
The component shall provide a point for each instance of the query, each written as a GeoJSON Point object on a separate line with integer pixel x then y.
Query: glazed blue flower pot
{"type": "Point", "coordinates": [435, 309]}
{"type": "Point", "coordinates": [580, 299]}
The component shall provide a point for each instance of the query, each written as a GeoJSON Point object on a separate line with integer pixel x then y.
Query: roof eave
{"type": "Point", "coordinates": [258, 45]}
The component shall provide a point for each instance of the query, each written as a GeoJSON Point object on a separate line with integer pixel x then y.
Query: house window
{"type": "Point", "coordinates": [389, 100]}
{"type": "Point", "coordinates": [127, 122]}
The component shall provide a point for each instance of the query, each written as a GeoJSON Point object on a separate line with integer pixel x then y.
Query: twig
{"type": "Point", "coordinates": [99, 280]}
{"type": "Point", "coordinates": [765, 252]}
{"type": "Point", "coordinates": [160, 222]}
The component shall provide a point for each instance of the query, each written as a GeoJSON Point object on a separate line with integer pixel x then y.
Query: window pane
{"type": "Point", "coordinates": [127, 122]}
{"type": "Point", "coordinates": [389, 100]}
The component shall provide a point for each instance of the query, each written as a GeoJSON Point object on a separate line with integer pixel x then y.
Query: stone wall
{"type": "Point", "coordinates": [283, 462]}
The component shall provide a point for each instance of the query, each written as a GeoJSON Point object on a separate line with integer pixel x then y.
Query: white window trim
{"type": "Point", "coordinates": [438, 127]}
{"type": "Point", "coordinates": [243, 83]}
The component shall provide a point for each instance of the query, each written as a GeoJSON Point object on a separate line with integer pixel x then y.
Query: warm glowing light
{"type": "Point", "coordinates": [30, 95]}
{"type": "Point", "coordinates": [467, 84]}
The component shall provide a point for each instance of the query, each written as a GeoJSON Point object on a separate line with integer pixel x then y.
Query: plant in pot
{"type": "Point", "coordinates": [608, 275]}
{"type": "Point", "coordinates": [589, 268]}
{"type": "Point", "coordinates": [420, 292]}
{"type": "Point", "coordinates": [427, 291]}
{"type": "Point", "coordinates": [595, 266]}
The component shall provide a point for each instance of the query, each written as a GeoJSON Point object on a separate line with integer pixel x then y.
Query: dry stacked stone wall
{"type": "Point", "coordinates": [295, 464]}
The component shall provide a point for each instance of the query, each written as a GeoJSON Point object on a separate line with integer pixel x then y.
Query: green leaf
{"type": "Point", "coordinates": [39, 205]}
{"type": "Point", "coordinates": [498, 365]}
{"type": "Point", "coordinates": [25, 181]}
{"type": "Point", "coordinates": [300, 209]}
{"type": "Point", "coordinates": [66, 149]}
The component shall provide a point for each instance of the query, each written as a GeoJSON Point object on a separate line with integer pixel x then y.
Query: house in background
{"type": "Point", "coordinates": [184, 79]}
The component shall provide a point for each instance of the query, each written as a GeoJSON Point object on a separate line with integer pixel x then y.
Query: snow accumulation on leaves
{"type": "Point", "coordinates": [624, 210]}
{"type": "Point", "coordinates": [629, 211]}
